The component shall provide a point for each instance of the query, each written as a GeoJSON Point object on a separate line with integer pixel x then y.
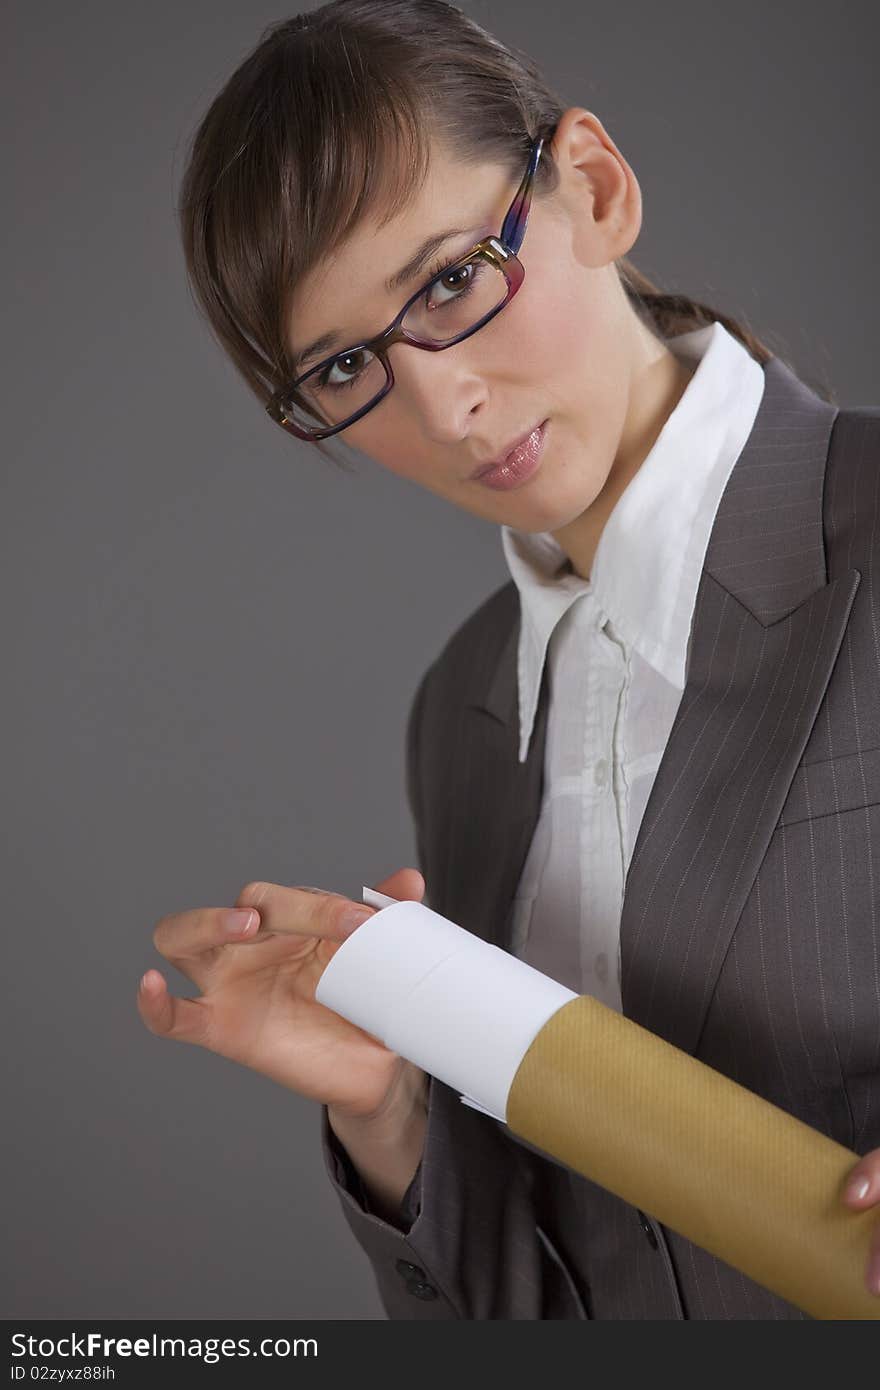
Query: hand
{"type": "Point", "coordinates": [866, 1175]}
{"type": "Point", "coordinates": [257, 1004]}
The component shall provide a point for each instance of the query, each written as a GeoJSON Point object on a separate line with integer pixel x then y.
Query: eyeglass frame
{"type": "Point", "coordinates": [500, 251]}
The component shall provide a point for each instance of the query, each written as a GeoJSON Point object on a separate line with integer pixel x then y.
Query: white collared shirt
{"type": "Point", "coordinates": [618, 647]}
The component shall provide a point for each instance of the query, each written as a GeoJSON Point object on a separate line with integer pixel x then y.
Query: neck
{"type": "Point", "coordinates": [657, 385]}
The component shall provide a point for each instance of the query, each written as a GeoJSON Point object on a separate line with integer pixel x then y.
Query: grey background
{"type": "Point", "coordinates": [212, 636]}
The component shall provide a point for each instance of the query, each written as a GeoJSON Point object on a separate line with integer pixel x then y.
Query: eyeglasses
{"type": "Point", "coordinates": [451, 306]}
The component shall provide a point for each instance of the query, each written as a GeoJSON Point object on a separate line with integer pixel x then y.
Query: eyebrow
{"type": "Point", "coordinates": [404, 276]}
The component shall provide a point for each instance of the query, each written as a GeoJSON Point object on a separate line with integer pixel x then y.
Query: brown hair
{"type": "Point", "coordinates": [329, 117]}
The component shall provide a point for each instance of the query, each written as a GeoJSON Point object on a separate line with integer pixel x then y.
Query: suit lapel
{"type": "Point", "coordinates": [766, 631]}
{"type": "Point", "coordinates": [488, 828]}
{"type": "Point", "coordinates": [751, 700]}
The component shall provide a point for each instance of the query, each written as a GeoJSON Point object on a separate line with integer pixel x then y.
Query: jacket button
{"type": "Point", "coordinates": [408, 1271]}
{"type": "Point", "coordinates": [421, 1290]}
{"type": "Point", "coordinates": [648, 1230]}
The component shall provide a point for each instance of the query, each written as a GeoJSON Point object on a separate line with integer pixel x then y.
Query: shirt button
{"type": "Point", "coordinates": [420, 1290]}
{"type": "Point", "coordinates": [409, 1271]}
{"type": "Point", "coordinates": [600, 773]}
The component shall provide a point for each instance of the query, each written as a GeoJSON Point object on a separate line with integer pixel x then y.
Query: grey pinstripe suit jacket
{"type": "Point", "coordinates": [749, 932]}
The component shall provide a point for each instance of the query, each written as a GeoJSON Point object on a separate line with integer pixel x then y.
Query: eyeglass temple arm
{"type": "Point", "coordinates": [515, 222]}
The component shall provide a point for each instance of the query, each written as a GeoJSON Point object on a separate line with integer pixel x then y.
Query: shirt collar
{"type": "Point", "coordinates": [664, 516]}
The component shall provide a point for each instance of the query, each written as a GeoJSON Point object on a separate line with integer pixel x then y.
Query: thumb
{"type": "Point", "coordinates": [406, 884]}
{"type": "Point", "coordinates": [185, 1020]}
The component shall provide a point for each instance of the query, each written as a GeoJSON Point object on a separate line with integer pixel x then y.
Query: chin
{"type": "Point", "coordinates": [570, 509]}
{"type": "Point", "coordinates": [553, 514]}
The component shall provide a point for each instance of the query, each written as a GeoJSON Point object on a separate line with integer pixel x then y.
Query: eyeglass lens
{"type": "Point", "coordinates": [450, 306]}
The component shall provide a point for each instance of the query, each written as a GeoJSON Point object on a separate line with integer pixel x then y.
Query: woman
{"type": "Point", "coordinates": [387, 162]}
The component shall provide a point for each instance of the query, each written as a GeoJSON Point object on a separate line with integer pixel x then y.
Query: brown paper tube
{"type": "Point", "coordinates": [722, 1166]}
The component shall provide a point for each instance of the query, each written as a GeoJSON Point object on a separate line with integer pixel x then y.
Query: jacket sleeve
{"type": "Point", "coordinates": [467, 1245]}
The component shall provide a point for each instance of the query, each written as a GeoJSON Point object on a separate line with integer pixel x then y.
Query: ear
{"type": "Point", "coordinates": [598, 189]}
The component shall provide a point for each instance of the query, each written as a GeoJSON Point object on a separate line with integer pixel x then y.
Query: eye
{"type": "Point", "coordinates": [349, 365]}
{"type": "Point", "coordinates": [452, 284]}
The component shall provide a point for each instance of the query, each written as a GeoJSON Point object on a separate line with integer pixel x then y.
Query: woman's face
{"type": "Point", "coordinates": [567, 349]}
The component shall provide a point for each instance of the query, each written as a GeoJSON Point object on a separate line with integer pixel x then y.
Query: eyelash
{"type": "Point", "coordinates": [434, 272]}
{"type": "Point", "coordinates": [437, 268]}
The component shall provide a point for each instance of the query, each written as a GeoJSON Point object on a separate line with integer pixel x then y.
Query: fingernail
{"type": "Point", "coordinates": [147, 982]}
{"type": "Point", "coordinates": [238, 921]}
{"type": "Point", "coordinates": [858, 1189]}
{"type": "Point", "coordinates": [352, 920]}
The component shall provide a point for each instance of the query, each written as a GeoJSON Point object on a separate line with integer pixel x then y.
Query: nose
{"type": "Point", "coordinates": [444, 390]}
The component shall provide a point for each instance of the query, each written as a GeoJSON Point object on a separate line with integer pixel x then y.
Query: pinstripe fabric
{"type": "Point", "coordinates": [749, 933]}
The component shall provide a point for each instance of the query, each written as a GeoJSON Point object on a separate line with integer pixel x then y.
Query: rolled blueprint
{"type": "Point", "coordinates": [739, 1177]}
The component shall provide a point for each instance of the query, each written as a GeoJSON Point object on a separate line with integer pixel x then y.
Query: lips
{"type": "Point", "coordinates": [504, 457]}
{"type": "Point", "coordinates": [517, 467]}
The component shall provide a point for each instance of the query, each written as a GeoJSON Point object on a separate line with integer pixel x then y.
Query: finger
{"type": "Point", "coordinates": [408, 885]}
{"type": "Point", "coordinates": [303, 911]}
{"type": "Point", "coordinates": [863, 1182]}
{"type": "Point", "coordinates": [185, 934]}
{"type": "Point", "coordinates": [184, 1020]}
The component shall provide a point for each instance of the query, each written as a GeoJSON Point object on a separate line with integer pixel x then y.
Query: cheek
{"type": "Point", "coordinates": [575, 349]}
{"type": "Point", "coordinates": [391, 442]}
{"type": "Point", "coordinates": [558, 334]}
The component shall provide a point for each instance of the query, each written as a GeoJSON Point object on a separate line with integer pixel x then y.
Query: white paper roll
{"type": "Point", "coordinates": [461, 1009]}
